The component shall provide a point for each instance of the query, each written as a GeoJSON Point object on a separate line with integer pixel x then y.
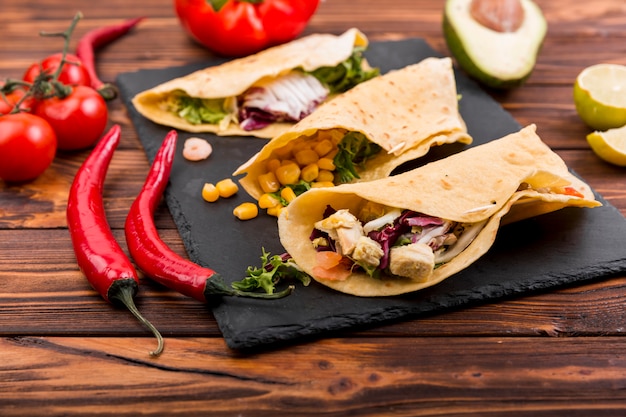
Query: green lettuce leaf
{"type": "Point", "coordinates": [197, 110]}
{"type": "Point", "coordinates": [354, 150]}
{"type": "Point", "coordinates": [346, 74]}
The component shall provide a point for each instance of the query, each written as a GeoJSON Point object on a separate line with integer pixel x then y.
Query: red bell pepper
{"type": "Point", "coordinates": [243, 27]}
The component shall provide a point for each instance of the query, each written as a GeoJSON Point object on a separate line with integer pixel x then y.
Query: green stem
{"type": "Point", "coordinates": [67, 35]}
{"type": "Point", "coordinates": [124, 290]}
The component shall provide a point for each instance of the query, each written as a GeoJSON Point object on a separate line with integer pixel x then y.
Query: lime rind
{"type": "Point", "coordinates": [609, 145]}
{"type": "Point", "coordinates": [600, 96]}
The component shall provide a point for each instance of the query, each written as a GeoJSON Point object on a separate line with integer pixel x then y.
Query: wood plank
{"type": "Point", "coordinates": [365, 377]}
{"type": "Point", "coordinates": [47, 295]}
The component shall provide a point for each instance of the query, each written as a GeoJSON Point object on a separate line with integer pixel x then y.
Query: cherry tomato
{"type": "Point", "coordinates": [242, 27]}
{"type": "Point", "coordinates": [78, 119]}
{"type": "Point", "coordinates": [73, 72]}
{"type": "Point", "coordinates": [8, 102]}
{"type": "Point", "coordinates": [27, 146]}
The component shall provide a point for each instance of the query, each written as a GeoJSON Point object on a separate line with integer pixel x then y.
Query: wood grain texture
{"type": "Point", "coordinates": [66, 352]}
{"type": "Point", "coordinates": [361, 376]}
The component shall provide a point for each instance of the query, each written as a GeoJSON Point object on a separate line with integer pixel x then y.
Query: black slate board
{"type": "Point", "coordinates": [562, 248]}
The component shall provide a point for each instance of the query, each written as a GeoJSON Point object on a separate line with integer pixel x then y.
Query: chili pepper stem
{"type": "Point", "coordinates": [108, 91]}
{"type": "Point", "coordinates": [124, 294]}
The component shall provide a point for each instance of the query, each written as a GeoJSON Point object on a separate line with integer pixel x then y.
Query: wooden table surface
{"type": "Point", "coordinates": [66, 352]}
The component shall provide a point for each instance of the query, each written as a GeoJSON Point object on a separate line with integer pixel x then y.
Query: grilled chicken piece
{"type": "Point", "coordinates": [344, 228]}
{"type": "Point", "coordinates": [368, 252]}
{"type": "Point", "coordinates": [415, 261]}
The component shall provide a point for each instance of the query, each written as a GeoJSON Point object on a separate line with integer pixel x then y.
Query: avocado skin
{"type": "Point", "coordinates": [455, 44]}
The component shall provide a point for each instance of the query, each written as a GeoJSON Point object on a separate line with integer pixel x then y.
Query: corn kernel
{"type": "Point", "coordinates": [323, 147]}
{"type": "Point", "coordinates": [275, 211]}
{"type": "Point", "coordinates": [323, 135]}
{"type": "Point", "coordinates": [325, 176]}
{"type": "Point", "coordinates": [326, 163]}
{"type": "Point", "coordinates": [284, 151]}
{"type": "Point", "coordinates": [268, 182]}
{"type": "Point", "coordinates": [301, 145]}
{"type": "Point", "coordinates": [288, 194]}
{"type": "Point", "coordinates": [210, 193]}
{"type": "Point", "coordinates": [331, 155]}
{"type": "Point", "coordinates": [226, 187]}
{"type": "Point", "coordinates": [337, 135]}
{"type": "Point", "coordinates": [306, 157]}
{"type": "Point", "coordinates": [309, 172]}
{"type": "Point", "coordinates": [272, 164]}
{"type": "Point", "coordinates": [268, 200]}
{"type": "Point", "coordinates": [246, 211]}
{"type": "Point", "coordinates": [288, 173]}
{"type": "Point", "coordinates": [322, 184]}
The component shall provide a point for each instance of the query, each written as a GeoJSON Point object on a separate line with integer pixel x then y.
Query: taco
{"type": "Point", "coordinates": [415, 229]}
{"type": "Point", "coordinates": [362, 134]}
{"type": "Point", "coordinates": [262, 94]}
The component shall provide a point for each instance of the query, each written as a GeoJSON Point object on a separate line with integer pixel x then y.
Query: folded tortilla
{"type": "Point", "coordinates": [405, 112]}
{"type": "Point", "coordinates": [233, 78]}
{"type": "Point", "coordinates": [506, 180]}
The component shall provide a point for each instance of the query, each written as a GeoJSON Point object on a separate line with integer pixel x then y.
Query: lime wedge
{"type": "Point", "coordinates": [600, 96]}
{"type": "Point", "coordinates": [610, 145]}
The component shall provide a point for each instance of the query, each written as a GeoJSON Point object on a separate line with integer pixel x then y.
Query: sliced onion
{"type": "Point", "coordinates": [463, 242]}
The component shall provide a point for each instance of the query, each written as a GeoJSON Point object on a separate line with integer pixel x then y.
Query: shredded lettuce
{"type": "Point", "coordinates": [354, 150]}
{"type": "Point", "coordinates": [197, 110]}
{"type": "Point", "coordinates": [346, 74]}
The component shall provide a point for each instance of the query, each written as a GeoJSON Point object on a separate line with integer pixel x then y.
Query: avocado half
{"type": "Point", "coordinates": [497, 59]}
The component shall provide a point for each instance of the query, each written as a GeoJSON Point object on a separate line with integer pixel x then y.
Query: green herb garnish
{"type": "Point", "coordinates": [274, 269]}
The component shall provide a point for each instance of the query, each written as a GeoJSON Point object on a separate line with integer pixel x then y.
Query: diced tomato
{"type": "Point", "coordinates": [331, 265]}
{"type": "Point", "coordinates": [572, 191]}
{"type": "Point", "coordinates": [328, 259]}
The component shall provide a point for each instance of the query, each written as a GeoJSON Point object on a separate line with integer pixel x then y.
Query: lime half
{"type": "Point", "coordinates": [600, 96]}
{"type": "Point", "coordinates": [610, 145]}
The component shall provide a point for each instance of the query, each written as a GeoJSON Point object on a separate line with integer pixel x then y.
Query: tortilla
{"type": "Point", "coordinates": [475, 185]}
{"type": "Point", "coordinates": [235, 77]}
{"type": "Point", "coordinates": [405, 112]}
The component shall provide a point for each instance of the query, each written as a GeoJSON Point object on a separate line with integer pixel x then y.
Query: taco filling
{"type": "Point", "coordinates": [325, 159]}
{"type": "Point", "coordinates": [289, 97]}
{"type": "Point", "coordinates": [387, 240]}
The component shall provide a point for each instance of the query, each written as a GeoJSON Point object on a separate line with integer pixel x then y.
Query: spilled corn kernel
{"type": "Point", "coordinates": [246, 211]}
{"type": "Point", "coordinates": [210, 193]}
{"type": "Point", "coordinates": [226, 188]}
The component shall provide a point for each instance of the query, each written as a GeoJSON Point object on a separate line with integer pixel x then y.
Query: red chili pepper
{"type": "Point", "coordinates": [155, 258]}
{"type": "Point", "coordinates": [97, 38]}
{"type": "Point", "coordinates": [99, 256]}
